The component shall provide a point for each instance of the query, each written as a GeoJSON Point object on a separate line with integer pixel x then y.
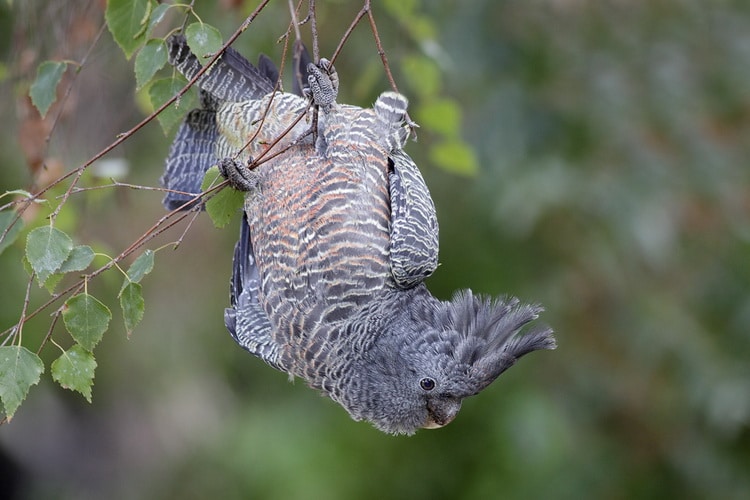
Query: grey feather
{"type": "Point", "coordinates": [414, 226]}
{"type": "Point", "coordinates": [193, 151]}
{"type": "Point", "coordinates": [337, 239]}
{"type": "Point", "coordinates": [232, 77]}
{"type": "Point", "coordinates": [246, 320]}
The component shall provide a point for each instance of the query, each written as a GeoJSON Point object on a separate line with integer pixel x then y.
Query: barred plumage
{"type": "Point", "coordinates": [337, 238]}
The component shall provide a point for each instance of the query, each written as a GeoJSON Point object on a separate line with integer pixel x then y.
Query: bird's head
{"type": "Point", "coordinates": [434, 354]}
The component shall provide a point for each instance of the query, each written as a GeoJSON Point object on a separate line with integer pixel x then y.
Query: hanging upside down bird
{"type": "Point", "coordinates": [338, 234]}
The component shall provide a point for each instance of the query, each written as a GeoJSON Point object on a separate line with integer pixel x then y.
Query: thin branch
{"type": "Point", "coordinates": [55, 121]}
{"type": "Point", "coordinates": [177, 243]}
{"type": "Point", "coordinates": [316, 60]}
{"type": "Point", "coordinates": [47, 337]}
{"type": "Point", "coordinates": [314, 31]}
{"type": "Point", "coordinates": [379, 45]}
{"type": "Point", "coordinates": [15, 220]}
{"type": "Point", "coordinates": [18, 328]}
{"type": "Point", "coordinates": [295, 23]}
{"type": "Point", "coordinates": [116, 183]}
{"type": "Point", "coordinates": [162, 224]}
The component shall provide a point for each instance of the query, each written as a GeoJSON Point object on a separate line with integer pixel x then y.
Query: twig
{"type": "Point", "coordinates": [19, 326]}
{"type": "Point", "coordinates": [116, 183]}
{"type": "Point", "coordinates": [26, 203]}
{"type": "Point", "coordinates": [55, 121]}
{"type": "Point", "coordinates": [316, 60]}
{"type": "Point", "coordinates": [19, 330]}
{"type": "Point", "coordinates": [177, 243]}
{"type": "Point", "coordinates": [295, 23]}
{"type": "Point", "coordinates": [314, 31]}
{"type": "Point", "coordinates": [379, 45]}
{"type": "Point", "coordinates": [47, 337]}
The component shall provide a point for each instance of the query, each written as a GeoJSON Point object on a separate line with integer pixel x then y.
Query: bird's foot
{"type": "Point", "coordinates": [241, 176]}
{"type": "Point", "coordinates": [323, 84]}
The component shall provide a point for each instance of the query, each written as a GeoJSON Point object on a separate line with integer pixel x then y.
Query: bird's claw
{"type": "Point", "coordinates": [323, 84]}
{"type": "Point", "coordinates": [241, 176]}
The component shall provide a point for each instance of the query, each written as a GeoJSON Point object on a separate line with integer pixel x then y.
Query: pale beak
{"type": "Point", "coordinates": [431, 424]}
{"type": "Point", "coordinates": [441, 415]}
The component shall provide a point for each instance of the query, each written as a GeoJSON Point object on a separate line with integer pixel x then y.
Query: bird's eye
{"type": "Point", "coordinates": [427, 384]}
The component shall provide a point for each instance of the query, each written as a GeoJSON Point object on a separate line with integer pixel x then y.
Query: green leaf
{"type": "Point", "coordinates": [133, 306]}
{"type": "Point", "coordinates": [43, 91]}
{"type": "Point", "coordinates": [141, 266]}
{"type": "Point", "coordinates": [86, 319]}
{"type": "Point", "coordinates": [79, 259]}
{"type": "Point", "coordinates": [455, 156]}
{"type": "Point", "coordinates": [204, 40]}
{"type": "Point", "coordinates": [127, 21]}
{"type": "Point", "coordinates": [163, 90]}
{"type": "Point", "coordinates": [150, 59]}
{"type": "Point", "coordinates": [440, 115]}
{"type": "Point", "coordinates": [226, 203]}
{"type": "Point", "coordinates": [52, 281]}
{"type": "Point", "coordinates": [6, 218]}
{"type": "Point", "coordinates": [19, 370]}
{"type": "Point", "coordinates": [47, 248]}
{"type": "Point", "coordinates": [157, 14]}
{"type": "Point", "coordinates": [74, 370]}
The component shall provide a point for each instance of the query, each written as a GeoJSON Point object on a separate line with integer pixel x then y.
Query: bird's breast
{"type": "Point", "coordinates": [320, 232]}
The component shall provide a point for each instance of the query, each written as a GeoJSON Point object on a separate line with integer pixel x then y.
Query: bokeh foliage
{"type": "Point", "coordinates": [607, 178]}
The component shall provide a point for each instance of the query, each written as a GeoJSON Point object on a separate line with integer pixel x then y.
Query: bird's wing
{"type": "Point", "coordinates": [246, 320]}
{"type": "Point", "coordinates": [414, 226]}
{"type": "Point", "coordinates": [191, 154]}
{"type": "Point", "coordinates": [232, 77]}
{"type": "Point", "coordinates": [193, 150]}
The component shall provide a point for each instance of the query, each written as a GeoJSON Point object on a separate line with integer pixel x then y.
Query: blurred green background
{"type": "Point", "coordinates": [611, 141]}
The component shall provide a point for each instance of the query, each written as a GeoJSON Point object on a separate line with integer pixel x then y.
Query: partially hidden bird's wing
{"type": "Point", "coordinates": [232, 77]}
{"type": "Point", "coordinates": [193, 150]}
{"type": "Point", "coordinates": [246, 320]}
{"type": "Point", "coordinates": [413, 222]}
{"type": "Point", "coordinates": [414, 226]}
{"type": "Point", "coordinates": [191, 154]}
